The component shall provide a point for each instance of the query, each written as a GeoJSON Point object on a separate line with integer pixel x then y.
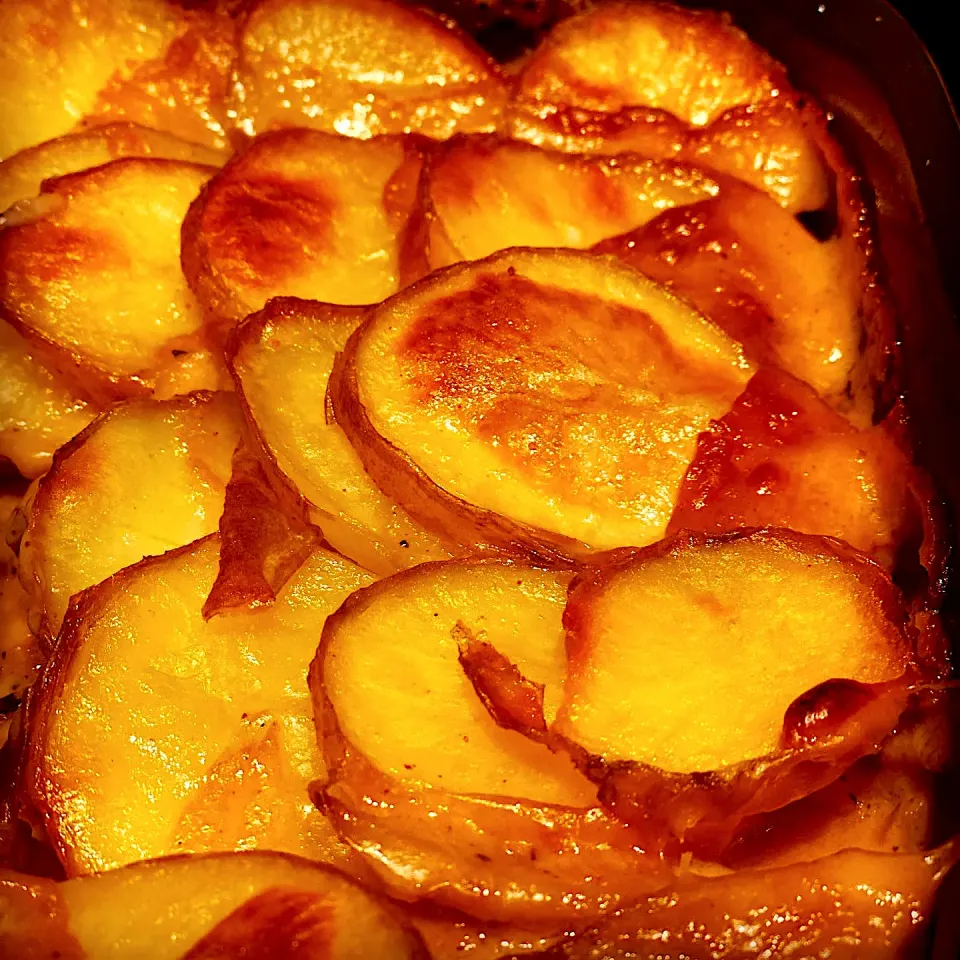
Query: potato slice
{"type": "Point", "coordinates": [361, 68]}
{"type": "Point", "coordinates": [22, 174]}
{"type": "Point", "coordinates": [39, 410]}
{"type": "Point", "coordinates": [256, 905]}
{"type": "Point", "coordinates": [300, 213]}
{"type": "Point", "coordinates": [480, 193]}
{"type": "Point", "coordinates": [149, 61]}
{"type": "Point", "coordinates": [145, 705]}
{"type": "Point", "coordinates": [845, 907]}
{"type": "Point", "coordinates": [91, 271]}
{"type": "Point", "coordinates": [144, 478]}
{"type": "Point", "coordinates": [444, 803]}
{"type": "Point", "coordinates": [281, 360]}
{"type": "Point", "coordinates": [536, 402]}
{"type": "Point", "coordinates": [782, 458]}
{"type": "Point", "coordinates": [780, 659]}
{"type": "Point", "coordinates": [754, 270]}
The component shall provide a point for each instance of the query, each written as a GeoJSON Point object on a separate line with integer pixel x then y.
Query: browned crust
{"type": "Point", "coordinates": [700, 811]}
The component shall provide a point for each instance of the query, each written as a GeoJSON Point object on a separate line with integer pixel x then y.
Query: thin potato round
{"type": "Point", "coordinates": [536, 401]}
{"type": "Point", "coordinates": [146, 705]}
{"type": "Point", "coordinates": [300, 213]}
{"type": "Point", "coordinates": [146, 477]}
{"type": "Point", "coordinates": [91, 271]}
{"type": "Point", "coordinates": [360, 68]}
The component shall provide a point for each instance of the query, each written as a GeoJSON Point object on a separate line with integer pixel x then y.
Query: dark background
{"type": "Point", "coordinates": [931, 19]}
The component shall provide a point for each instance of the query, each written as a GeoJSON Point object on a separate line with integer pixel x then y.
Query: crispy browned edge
{"type": "Point", "coordinates": [87, 376]}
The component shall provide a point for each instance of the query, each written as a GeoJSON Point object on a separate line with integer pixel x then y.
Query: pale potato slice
{"type": "Point", "coordinates": [39, 410]}
{"type": "Point", "coordinates": [148, 61]}
{"type": "Point", "coordinates": [480, 192]}
{"type": "Point", "coordinates": [22, 174]}
{"type": "Point", "coordinates": [90, 269]}
{"type": "Point", "coordinates": [146, 477]}
{"type": "Point", "coordinates": [444, 802]}
{"type": "Point", "coordinates": [255, 905]}
{"type": "Point", "coordinates": [849, 906]}
{"type": "Point", "coordinates": [281, 360]}
{"type": "Point", "coordinates": [535, 402]}
{"type": "Point", "coordinates": [712, 679]}
{"type": "Point", "coordinates": [206, 724]}
{"type": "Point", "coordinates": [361, 68]}
{"type": "Point", "coordinates": [300, 213]}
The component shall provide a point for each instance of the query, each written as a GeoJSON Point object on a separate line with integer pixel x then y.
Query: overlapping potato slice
{"type": "Point", "coordinates": [675, 83]}
{"type": "Point", "coordinates": [281, 360]}
{"type": "Point", "coordinates": [848, 906]}
{"type": "Point", "coordinates": [22, 174]}
{"type": "Point", "coordinates": [536, 402]}
{"type": "Point", "coordinates": [207, 725]}
{"type": "Point", "coordinates": [301, 213]}
{"type": "Point", "coordinates": [148, 61]}
{"type": "Point", "coordinates": [712, 679]}
{"type": "Point", "coordinates": [444, 803]}
{"type": "Point", "coordinates": [256, 905]}
{"type": "Point", "coordinates": [754, 270]}
{"type": "Point", "coordinates": [39, 410]}
{"type": "Point", "coordinates": [782, 458]}
{"type": "Point", "coordinates": [146, 477]}
{"type": "Point", "coordinates": [90, 271]}
{"type": "Point", "coordinates": [360, 68]}
{"type": "Point", "coordinates": [482, 199]}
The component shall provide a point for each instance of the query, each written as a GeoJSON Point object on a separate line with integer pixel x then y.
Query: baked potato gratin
{"type": "Point", "coordinates": [458, 500]}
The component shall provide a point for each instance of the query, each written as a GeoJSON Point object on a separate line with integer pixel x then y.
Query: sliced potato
{"type": "Point", "coordinates": [444, 803]}
{"type": "Point", "coordinates": [206, 724]}
{"type": "Point", "coordinates": [22, 174]}
{"type": "Point", "coordinates": [753, 269]}
{"type": "Point", "coordinates": [845, 907]}
{"type": "Point", "coordinates": [255, 905]}
{"type": "Point", "coordinates": [779, 660]}
{"type": "Point", "coordinates": [480, 194]}
{"type": "Point", "coordinates": [535, 402]}
{"type": "Point", "coordinates": [361, 68]}
{"type": "Point", "coordinates": [281, 360]}
{"type": "Point", "coordinates": [146, 477]}
{"type": "Point", "coordinates": [300, 213]}
{"type": "Point", "coordinates": [782, 458]}
{"type": "Point", "coordinates": [90, 270]}
{"type": "Point", "coordinates": [39, 410]}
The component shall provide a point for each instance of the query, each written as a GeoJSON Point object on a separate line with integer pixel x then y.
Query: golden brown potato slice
{"type": "Point", "coordinates": [361, 68]}
{"type": "Point", "coordinates": [482, 197]}
{"type": "Point", "coordinates": [712, 679]}
{"type": "Point", "coordinates": [146, 477]}
{"type": "Point", "coordinates": [255, 905]}
{"type": "Point", "coordinates": [22, 174]}
{"type": "Point", "coordinates": [148, 61]}
{"type": "Point", "coordinates": [90, 270]}
{"type": "Point", "coordinates": [281, 360]}
{"type": "Point", "coordinates": [782, 458]}
{"type": "Point", "coordinates": [849, 906]}
{"type": "Point", "coordinates": [146, 705]}
{"type": "Point", "coordinates": [39, 410]}
{"type": "Point", "coordinates": [300, 213]}
{"type": "Point", "coordinates": [536, 401]}
{"type": "Point", "coordinates": [753, 269]}
{"type": "Point", "coordinates": [444, 803]}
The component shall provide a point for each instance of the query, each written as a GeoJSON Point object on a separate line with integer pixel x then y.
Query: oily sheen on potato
{"type": "Point", "coordinates": [146, 477]}
{"type": "Point", "coordinates": [252, 904]}
{"type": "Point", "coordinates": [535, 402]}
{"type": "Point", "coordinates": [710, 679]}
{"type": "Point", "coordinates": [281, 360]}
{"type": "Point", "coordinates": [444, 803]}
{"type": "Point", "coordinates": [90, 271]}
{"type": "Point", "coordinates": [206, 724]}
